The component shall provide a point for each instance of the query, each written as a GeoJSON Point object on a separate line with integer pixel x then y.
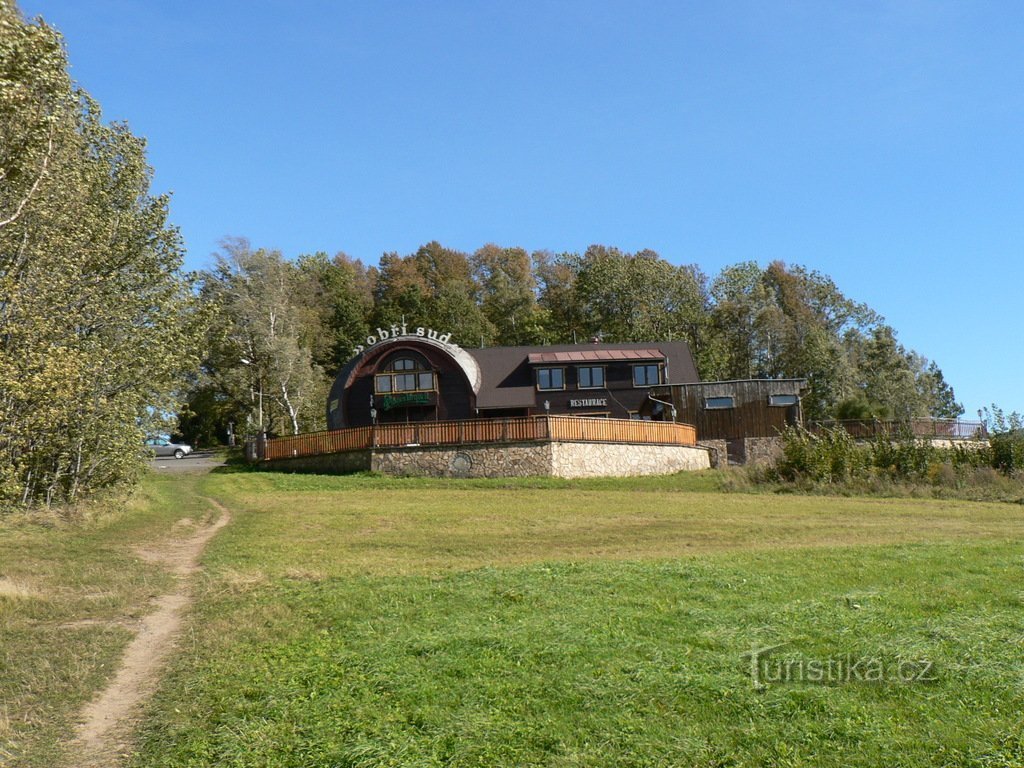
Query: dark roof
{"type": "Point", "coordinates": [508, 383]}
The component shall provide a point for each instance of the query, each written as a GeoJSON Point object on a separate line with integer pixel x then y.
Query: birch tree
{"type": "Point", "coordinates": [255, 356]}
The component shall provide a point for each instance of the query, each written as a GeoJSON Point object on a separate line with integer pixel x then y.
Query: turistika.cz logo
{"type": "Point", "coordinates": [767, 669]}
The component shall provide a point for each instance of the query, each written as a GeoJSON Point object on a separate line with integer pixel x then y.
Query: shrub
{"type": "Point", "coordinates": [831, 456]}
{"type": "Point", "coordinates": [905, 458]}
{"type": "Point", "coordinates": [1007, 452]}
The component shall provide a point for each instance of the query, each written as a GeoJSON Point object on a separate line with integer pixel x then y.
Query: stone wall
{"type": "Point", "coordinates": [506, 460]}
{"type": "Point", "coordinates": [624, 460]}
{"type": "Point", "coordinates": [762, 450]}
{"type": "Point", "coordinates": [718, 452]}
{"type": "Point", "coordinates": [536, 459]}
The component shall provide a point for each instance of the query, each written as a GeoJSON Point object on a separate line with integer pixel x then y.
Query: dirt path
{"type": "Point", "coordinates": [102, 739]}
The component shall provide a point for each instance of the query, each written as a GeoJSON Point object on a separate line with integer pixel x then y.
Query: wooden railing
{"type": "Point", "coordinates": [948, 429]}
{"type": "Point", "coordinates": [540, 428]}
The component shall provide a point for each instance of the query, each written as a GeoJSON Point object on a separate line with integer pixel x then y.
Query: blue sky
{"type": "Point", "coordinates": [878, 142]}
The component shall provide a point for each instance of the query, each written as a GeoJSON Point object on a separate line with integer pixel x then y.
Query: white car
{"type": "Point", "coordinates": [162, 447]}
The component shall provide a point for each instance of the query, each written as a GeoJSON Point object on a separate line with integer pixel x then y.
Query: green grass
{"type": "Point", "coordinates": [369, 621]}
{"type": "Point", "coordinates": [372, 622]}
{"type": "Point", "coordinates": [68, 594]}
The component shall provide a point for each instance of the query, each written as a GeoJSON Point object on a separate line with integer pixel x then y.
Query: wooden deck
{"type": "Point", "coordinates": [536, 429]}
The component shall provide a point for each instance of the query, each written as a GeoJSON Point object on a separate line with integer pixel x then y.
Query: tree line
{"type": "Point", "coordinates": [283, 328]}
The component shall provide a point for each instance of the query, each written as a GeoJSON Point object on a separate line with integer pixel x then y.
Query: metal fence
{"type": "Point", "coordinates": [531, 429]}
{"type": "Point", "coordinates": [937, 429]}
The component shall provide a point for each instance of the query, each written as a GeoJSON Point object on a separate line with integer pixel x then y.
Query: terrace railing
{"type": "Point", "coordinates": [935, 429]}
{"type": "Point", "coordinates": [531, 429]}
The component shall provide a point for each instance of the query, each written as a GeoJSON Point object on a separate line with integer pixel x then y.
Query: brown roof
{"type": "Point", "coordinates": [588, 355]}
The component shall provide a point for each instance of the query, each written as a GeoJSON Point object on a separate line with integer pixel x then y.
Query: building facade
{"type": "Point", "coordinates": [405, 375]}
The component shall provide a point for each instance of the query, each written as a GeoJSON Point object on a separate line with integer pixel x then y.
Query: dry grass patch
{"type": "Point", "coordinates": [16, 589]}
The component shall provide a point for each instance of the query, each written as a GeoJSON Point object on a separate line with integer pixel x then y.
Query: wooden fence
{"type": "Point", "coordinates": [941, 429]}
{"type": "Point", "coordinates": [540, 428]}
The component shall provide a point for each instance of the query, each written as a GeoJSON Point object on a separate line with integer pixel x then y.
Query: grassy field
{"type": "Point", "coordinates": [374, 622]}
{"type": "Point", "coordinates": [69, 594]}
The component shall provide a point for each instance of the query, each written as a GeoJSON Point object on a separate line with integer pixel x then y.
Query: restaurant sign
{"type": "Point", "coordinates": [594, 402]}
{"type": "Point", "coordinates": [387, 402]}
{"type": "Point", "coordinates": [398, 331]}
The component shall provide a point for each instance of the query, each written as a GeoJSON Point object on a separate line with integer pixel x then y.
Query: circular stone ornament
{"type": "Point", "coordinates": [461, 464]}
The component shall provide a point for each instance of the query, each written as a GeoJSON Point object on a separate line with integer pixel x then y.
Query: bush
{"type": "Point", "coordinates": [829, 457]}
{"type": "Point", "coordinates": [1007, 452]}
{"type": "Point", "coordinates": [905, 458]}
{"type": "Point", "coordinates": [904, 466]}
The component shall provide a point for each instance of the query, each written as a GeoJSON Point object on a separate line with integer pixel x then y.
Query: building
{"type": "Point", "coordinates": [410, 402]}
{"type": "Point", "coordinates": [741, 419]}
{"type": "Point", "coordinates": [407, 375]}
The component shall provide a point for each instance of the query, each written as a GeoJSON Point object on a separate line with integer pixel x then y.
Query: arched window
{"type": "Point", "coordinates": [405, 373]}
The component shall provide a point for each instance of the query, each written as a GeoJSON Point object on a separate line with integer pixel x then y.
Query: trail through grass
{"type": "Point", "coordinates": [71, 596]}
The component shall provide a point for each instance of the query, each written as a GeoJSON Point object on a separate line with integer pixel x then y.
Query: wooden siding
{"type": "Point", "coordinates": [750, 416]}
{"type": "Point", "coordinates": [540, 428]}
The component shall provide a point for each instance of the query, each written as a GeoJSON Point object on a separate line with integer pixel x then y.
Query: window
{"type": "Point", "coordinates": [646, 375]}
{"type": "Point", "coordinates": [550, 378]}
{"type": "Point", "coordinates": [404, 375]}
{"type": "Point", "coordinates": [783, 399]}
{"type": "Point", "coordinates": [590, 377]}
{"type": "Point", "coordinates": [718, 403]}
{"type": "Point", "coordinates": [405, 382]}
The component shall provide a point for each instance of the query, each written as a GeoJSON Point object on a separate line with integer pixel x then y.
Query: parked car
{"type": "Point", "coordinates": [162, 447]}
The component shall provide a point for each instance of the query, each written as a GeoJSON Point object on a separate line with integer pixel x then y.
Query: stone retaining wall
{"type": "Point", "coordinates": [624, 460]}
{"type": "Point", "coordinates": [544, 459]}
{"type": "Point", "coordinates": [760, 451]}
{"type": "Point", "coordinates": [718, 452]}
{"type": "Point", "coordinates": [506, 460]}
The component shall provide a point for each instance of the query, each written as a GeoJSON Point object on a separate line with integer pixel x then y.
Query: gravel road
{"type": "Point", "coordinates": [201, 461]}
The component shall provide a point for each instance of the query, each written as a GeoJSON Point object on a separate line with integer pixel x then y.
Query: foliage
{"type": "Point", "coordinates": [830, 458]}
{"type": "Point", "coordinates": [748, 322]}
{"type": "Point", "coordinates": [1006, 439]}
{"type": "Point", "coordinates": [259, 357]}
{"type": "Point", "coordinates": [97, 323]}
